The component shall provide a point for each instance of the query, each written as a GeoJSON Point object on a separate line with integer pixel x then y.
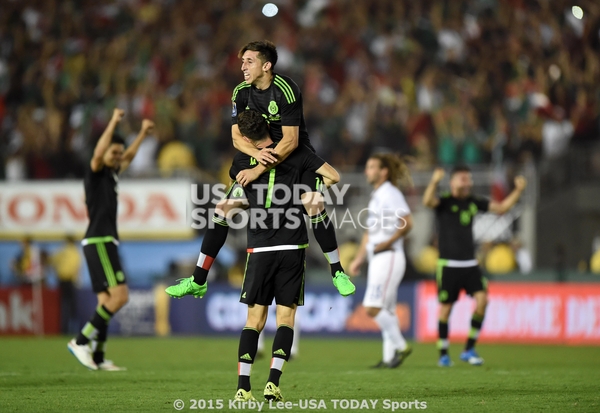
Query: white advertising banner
{"type": "Point", "coordinates": [48, 209]}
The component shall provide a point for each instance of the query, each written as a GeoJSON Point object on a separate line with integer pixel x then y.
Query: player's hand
{"type": "Point", "coordinates": [147, 126]}
{"type": "Point", "coordinates": [118, 114]}
{"type": "Point", "coordinates": [266, 156]}
{"type": "Point", "coordinates": [438, 175]}
{"type": "Point", "coordinates": [382, 246]}
{"type": "Point", "coordinates": [354, 269]}
{"type": "Point", "coordinates": [246, 176]}
{"type": "Point", "coordinates": [520, 182]}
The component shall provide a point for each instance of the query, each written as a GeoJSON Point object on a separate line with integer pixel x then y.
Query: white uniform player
{"type": "Point", "coordinates": [389, 220]}
{"type": "Point", "coordinates": [387, 208]}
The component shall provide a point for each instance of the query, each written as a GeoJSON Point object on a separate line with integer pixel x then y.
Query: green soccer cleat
{"type": "Point", "coordinates": [272, 392]}
{"type": "Point", "coordinates": [187, 286]}
{"type": "Point", "coordinates": [399, 357]}
{"type": "Point", "coordinates": [244, 396]}
{"type": "Point", "coordinates": [343, 284]}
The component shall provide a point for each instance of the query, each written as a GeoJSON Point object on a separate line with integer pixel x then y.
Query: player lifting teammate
{"type": "Point", "coordinates": [457, 267]}
{"type": "Point", "coordinates": [276, 252]}
{"type": "Point", "coordinates": [278, 99]}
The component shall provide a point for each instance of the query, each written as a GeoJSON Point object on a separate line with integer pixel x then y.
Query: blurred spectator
{"type": "Point", "coordinates": [522, 256]}
{"type": "Point", "coordinates": [27, 265]}
{"type": "Point", "coordinates": [67, 264]}
{"type": "Point", "coordinates": [448, 80]}
{"type": "Point", "coordinates": [426, 261]}
{"type": "Point", "coordinates": [500, 259]}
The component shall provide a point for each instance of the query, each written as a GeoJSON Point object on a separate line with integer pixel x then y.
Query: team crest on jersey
{"type": "Point", "coordinates": [238, 192]}
{"type": "Point", "coordinates": [273, 109]}
{"type": "Point", "coordinates": [234, 110]}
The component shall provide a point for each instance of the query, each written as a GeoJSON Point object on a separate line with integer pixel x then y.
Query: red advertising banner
{"type": "Point", "coordinates": [20, 311]}
{"type": "Point", "coordinates": [550, 313]}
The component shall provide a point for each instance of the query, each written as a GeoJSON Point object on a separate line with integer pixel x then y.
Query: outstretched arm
{"type": "Point", "coordinates": [146, 129]}
{"type": "Point", "coordinates": [97, 162]}
{"type": "Point", "coordinates": [430, 199]}
{"type": "Point", "coordinates": [511, 199]}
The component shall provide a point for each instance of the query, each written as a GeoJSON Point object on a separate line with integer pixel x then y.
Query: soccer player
{"type": "Point", "coordinates": [276, 256]}
{"type": "Point", "coordinates": [389, 220]}
{"type": "Point", "coordinates": [101, 240]}
{"type": "Point", "coordinates": [278, 99]}
{"type": "Point", "coordinates": [457, 267]}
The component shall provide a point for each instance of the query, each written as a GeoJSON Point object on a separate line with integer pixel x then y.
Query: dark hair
{"type": "Point", "coordinates": [267, 52]}
{"type": "Point", "coordinates": [458, 169]}
{"type": "Point", "coordinates": [253, 125]}
{"type": "Point", "coordinates": [118, 139]}
{"type": "Point", "coordinates": [398, 172]}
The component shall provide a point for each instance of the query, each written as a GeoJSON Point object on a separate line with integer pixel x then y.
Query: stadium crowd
{"type": "Point", "coordinates": [445, 81]}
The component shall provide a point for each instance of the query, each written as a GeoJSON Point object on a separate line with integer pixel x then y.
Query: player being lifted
{"type": "Point", "coordinates": [279, 100]}
{"type": "Point", "coordinates": [457, 267]}
{"type": "Point", "coordinates": [101, 240]}
{"type": "Point", "coordinates": [276, 251]}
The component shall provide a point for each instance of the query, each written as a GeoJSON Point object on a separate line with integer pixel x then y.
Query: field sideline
{"type": "Point", "coordinates": [40, 375]}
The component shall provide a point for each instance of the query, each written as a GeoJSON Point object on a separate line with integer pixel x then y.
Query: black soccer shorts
{"type": "Point", "coordinates": [451, 280]}
{"type": "Point", "coordinates": [274, 274]}
{"type": "Point", "coordinates": [102, 256]}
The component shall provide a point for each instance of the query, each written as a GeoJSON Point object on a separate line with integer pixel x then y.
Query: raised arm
{"type": "Point", "coordinates": [511, 199]}
{"type": "Point", "coordinates": [97, 162]}
{"type": "Point", "coordinates": [430, 198]}
{"type": "Point", "coordinates": [146, 129]}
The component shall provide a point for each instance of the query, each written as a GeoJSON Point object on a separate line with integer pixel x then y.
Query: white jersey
{"type": "Point", "coordinates": [386, 209]}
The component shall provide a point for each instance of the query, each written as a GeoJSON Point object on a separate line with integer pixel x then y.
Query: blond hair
{"type": "Point", "coordinates": [398, 172]}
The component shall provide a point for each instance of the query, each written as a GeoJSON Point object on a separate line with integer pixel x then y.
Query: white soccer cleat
{"type": "Point", "coordinates": [108, 365]}
{"type": "Point", "coordinates": [83, 353]}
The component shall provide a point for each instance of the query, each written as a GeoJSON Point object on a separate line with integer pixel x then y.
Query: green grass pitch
{"type": "Point", "coordinates": [39, 375]}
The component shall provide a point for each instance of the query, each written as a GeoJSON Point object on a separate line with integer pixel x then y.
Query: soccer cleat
{"type": "Point", "coordinates": [108, 365]}
{"type": "Point", "coordinates": [471, 357]}
{"type": "Point", "coordinates": [244, 396]}
{"type": "Point", "coordinates": [399, 357]}
{"type": "Point", "coordinates": [187, 286]}
{"type": "Point", "coordinates": [379, 365]}
{"type": "Point", "coordinates": [445, 361]}
{"type": "Point", "coordinates": [83, 353]}
{"type": "Point", "coordinates": [272, 392]}
{"type": "Point", "coordinates": [343, 284]}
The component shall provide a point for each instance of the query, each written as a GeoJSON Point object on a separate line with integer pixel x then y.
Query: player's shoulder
{"type": "Point", "coordinates": [240, 89]}
{"type": "Point", "coordinates": [288, 87]}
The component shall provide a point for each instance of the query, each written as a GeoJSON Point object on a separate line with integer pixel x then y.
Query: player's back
{"type": "Point", "coordinates": [276, 211]}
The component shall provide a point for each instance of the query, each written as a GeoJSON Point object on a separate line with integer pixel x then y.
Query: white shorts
{"type": "Point", "coordinates": [386, 270]}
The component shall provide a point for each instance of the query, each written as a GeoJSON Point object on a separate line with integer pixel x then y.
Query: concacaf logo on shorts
{"type": "Point", "coordinates": [234, 110]}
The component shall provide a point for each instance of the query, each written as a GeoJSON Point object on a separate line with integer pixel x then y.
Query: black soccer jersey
{"type": "Point", "coordinates": [101, 189]}
{"type": "Point", "coordinates": [455, 225]}
{"type": "Point", "coordinates": [282, 221]}
{"type": "Point", "coordinates": [280, 103]}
